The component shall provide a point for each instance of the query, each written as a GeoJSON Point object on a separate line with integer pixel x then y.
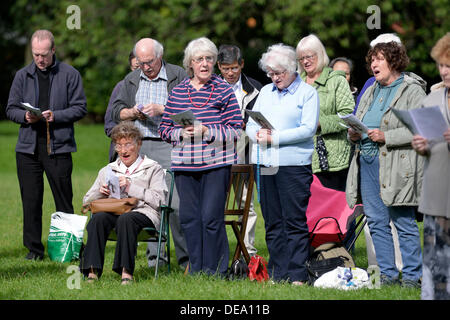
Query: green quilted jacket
{"type": "Point", "coordinates": [335, 97]}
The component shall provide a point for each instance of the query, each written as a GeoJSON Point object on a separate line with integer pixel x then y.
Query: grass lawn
{"type": "Point", "coordinates": [24, 280]}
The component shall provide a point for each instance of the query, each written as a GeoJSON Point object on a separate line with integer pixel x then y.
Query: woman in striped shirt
{"type": "Point", "coordinates": [203, 154]}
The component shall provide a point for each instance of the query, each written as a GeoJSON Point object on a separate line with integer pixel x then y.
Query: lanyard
{"type": "Point", "coordinates": [258, 174]}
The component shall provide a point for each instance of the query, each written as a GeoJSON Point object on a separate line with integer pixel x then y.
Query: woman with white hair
{"type": "Point", "coordinates": [331, 159]}
{"type": "Point", "coordinates": [203, 154]}
{"type": "Point", "coordinates": [284, 154]}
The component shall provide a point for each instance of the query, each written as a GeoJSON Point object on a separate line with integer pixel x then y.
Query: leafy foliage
{"type": "Point", "coordinates": [109, 29]}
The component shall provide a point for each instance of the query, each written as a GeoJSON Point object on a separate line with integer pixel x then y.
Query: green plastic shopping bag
{"type": "Point", "coordinates": [65, 237]}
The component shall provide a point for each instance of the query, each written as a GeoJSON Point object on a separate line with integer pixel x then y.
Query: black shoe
{"type": "Point", "coordinates": [413, 284]}
{"type": "Point", "coordinates": [386, 281]}
{"type": "Point", "coordinates": [34, 256]}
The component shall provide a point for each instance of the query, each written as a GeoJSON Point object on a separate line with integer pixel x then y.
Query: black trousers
{"type": "Point", "coordinates": [128, 226]}
{"type": "Point", "coordinates": [284, 200]}
{"type": "Point", "coordinates": [30, 172]}
{"type": "Point", "coordinates": [202, 203]}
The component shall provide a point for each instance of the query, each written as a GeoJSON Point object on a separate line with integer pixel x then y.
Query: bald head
{"type": "Point", "coordinates": [148, 45]}
{"type": "Point", "coordinates": [149, 54]}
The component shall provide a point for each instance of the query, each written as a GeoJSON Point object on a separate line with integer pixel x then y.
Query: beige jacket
{"type": "Point", "coordinates": [435, 199]}
{"type": "Point", "coordinates": [401, 168]}
{"type": "Point", "coordinates": [147, 184]}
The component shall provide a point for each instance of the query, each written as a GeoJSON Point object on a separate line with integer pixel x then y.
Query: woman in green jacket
{"type": "Point", "coordinates": [331, 158]}
{"type": "Point", "coordinates": [385, 168]}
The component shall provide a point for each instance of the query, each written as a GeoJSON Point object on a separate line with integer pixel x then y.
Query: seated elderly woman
{"type": "Point", "coordinates": [385, 168]}
{"type": "Point", "coordinates": [139, 177]}
{"type": "Point", "coordinates": [203, 154]}
{"type": "Point", "coordinates": [285, 154]}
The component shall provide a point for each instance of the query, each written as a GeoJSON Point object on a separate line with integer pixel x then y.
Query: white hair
{"type": "Point", "coordinates": [385, 38]}
{"type": "Point", "coordinates": [278, 56]}
{"type": "Point", "coordinates": [158, 49]}
{"type": "Point", "coordinates": [195, 47]}
{"type": "Point", "coordinates": [313, 43]}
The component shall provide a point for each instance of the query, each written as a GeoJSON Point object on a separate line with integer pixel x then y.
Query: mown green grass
{"type": "Point", "coordinates": [27, 280]}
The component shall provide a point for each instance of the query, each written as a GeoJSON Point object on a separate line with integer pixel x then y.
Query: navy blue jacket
{"type": "Point", "coordinates": [67, 102]}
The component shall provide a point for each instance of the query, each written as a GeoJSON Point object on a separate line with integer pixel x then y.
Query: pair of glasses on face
{"type": "Point", "coordinates": [276, 74]}
{"type": "Point", "coordinates": [199, 60]}
{"type": "Point", "coordinates": [124, 147]}
{"type": "Point", "coordinates": [148, 63]}
{"type": "Point", "coordinates": [308, 57]}
{"type": "Point", "coordinates": [226, 70]}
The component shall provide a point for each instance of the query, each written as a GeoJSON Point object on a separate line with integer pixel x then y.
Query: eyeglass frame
{"type": "Point", "coordinates": [277, 73]}
{"type": "Point", "coordinates": [199, 60]}
{"type": "Point", "coordinates": [308, 57]}
{"type": "Point", "coordinates": [127, 146]}
{"type": "Point", "coordinates": [146, 63]}
{"type": "Point", "coordinates": [228, 69]}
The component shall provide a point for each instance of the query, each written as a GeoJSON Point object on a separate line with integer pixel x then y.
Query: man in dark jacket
{"type": "Point", "coordinates": [46, 139]}
{"type": "Point", "coordinates": [141, 99]}
{"type": "Point", "coordinates": [246, 89]}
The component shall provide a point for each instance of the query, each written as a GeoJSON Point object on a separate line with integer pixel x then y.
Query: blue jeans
{"type": "Point", "coordinates": [284, 199]}
{"type": "Point", "coordinates": [378, 218]}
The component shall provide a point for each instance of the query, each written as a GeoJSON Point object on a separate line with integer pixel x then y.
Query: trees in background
{"type": "Point", "coordinates": [107, 31]}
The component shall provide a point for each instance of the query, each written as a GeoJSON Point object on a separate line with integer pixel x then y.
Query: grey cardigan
{"type": "Point", "coordinates": [435, 198]}
{"type": "Point", "coordinates": [127, 94]}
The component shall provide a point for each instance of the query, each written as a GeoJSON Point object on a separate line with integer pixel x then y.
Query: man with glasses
{"type": "Point", "coordinates": [46, 139]}
{"type": "Point", "coordinates": [246, 89]}
{"type": "Point", "coordinates": [142, 99]}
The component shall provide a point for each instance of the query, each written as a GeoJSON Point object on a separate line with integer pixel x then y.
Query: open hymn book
{"type": "Point", "coordinates": [428, 122]}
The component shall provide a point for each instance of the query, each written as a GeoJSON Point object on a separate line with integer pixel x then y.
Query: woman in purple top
{"type": "Point", "coordinates": [203, 154]}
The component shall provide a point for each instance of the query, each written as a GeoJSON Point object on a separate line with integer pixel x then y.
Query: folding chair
{"type": "Point", "coordinates": [152, 234]}
{"type": "Point", "coordinates": [239, 197]}
{"type": "Point", "coordinates": [329, 218]}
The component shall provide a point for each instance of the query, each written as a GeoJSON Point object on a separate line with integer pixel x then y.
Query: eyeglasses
{"type": "Point", "coordinates": [309, 57]}
{"type": "Point", "coordinates": [233, 69]}
{"type": "Point", "coordinates": [125, 147]}
{"type": "Point", "coordinates": [148, 63]}
{"type": "Point", "coordinates": [199, 60]}
{"type": "Point", "coordinates": [276, 74]}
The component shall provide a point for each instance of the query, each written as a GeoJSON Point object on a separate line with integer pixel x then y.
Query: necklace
{"type": "Point", "coordinates": [209, 98]}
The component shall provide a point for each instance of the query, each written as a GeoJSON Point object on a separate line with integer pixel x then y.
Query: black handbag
{"type": "Point", "coordinates": [327, 257]}
{"type": "Point", "coordinates": [317, 268]}
{"type": "Point", "coordinates": [238, 270]}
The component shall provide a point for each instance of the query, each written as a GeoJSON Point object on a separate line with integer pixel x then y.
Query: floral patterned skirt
{"type": "Point", "coordinates": [436, 258]}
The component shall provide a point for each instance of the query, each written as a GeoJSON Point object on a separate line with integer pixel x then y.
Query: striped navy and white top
{"type": "Point", "coordinates": [216, 107]}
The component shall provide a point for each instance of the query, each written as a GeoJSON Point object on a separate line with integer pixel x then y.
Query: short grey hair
{"type": "Point", "coordinates": [127, 130]}
{"type": "Point", "coordinates": [41, 35]}
{"type": "Point", "coordinates": [313, 43]}
{"type": "Point", "coordinates": [196, 47]}
{"type": "Point", "coordinates": [278, 56]}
